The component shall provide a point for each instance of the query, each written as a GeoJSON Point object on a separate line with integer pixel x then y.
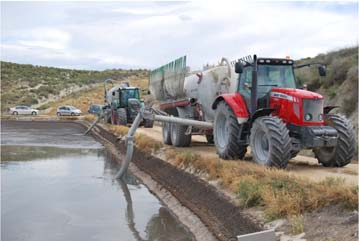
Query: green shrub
{"type": "Point", "coordinates": [249, 192]}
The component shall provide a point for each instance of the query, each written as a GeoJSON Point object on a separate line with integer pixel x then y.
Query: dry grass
{"type": "Point", "coordinates": [89, 117]}
{"type": "Point", "coordinates": [147, 144]}
{"type": "Point", "coordinates": [278, 192]}
{"type": "Point", "coordinates": [297, 224]}
{"type": "Point", "coordinates": [118, 130]}
{"type": "Point", "coordinates": [143, 142]}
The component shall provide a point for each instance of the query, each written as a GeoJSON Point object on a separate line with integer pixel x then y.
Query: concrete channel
{"type": "Point", "coordinates": [206, 213]}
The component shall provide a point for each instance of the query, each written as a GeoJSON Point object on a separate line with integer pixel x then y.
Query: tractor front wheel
{"type": "Point", "coordinates": [270, 142]}
{"type": "Point", "coordinates": [341, 154]}
{"type": "Point", "coordinates": [121, 118]}
{"type": "Point", "coordinates": [226, 133]}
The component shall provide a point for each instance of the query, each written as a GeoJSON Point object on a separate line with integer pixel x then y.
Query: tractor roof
{"type": "Point", "coordinates": [275, 61]}
{"type": "Point", "coordinates": [247, 60]}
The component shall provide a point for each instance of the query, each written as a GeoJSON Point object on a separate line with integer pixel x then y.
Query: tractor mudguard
{"type": "Point", "coordinates": [236, 102]}
{"type": "Point", "coordinates": [262, 112]}
{"type": "Point", "coordinates": [329, 108]}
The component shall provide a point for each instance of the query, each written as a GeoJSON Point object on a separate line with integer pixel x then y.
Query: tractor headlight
{"type": "Point", "coordinates": [320, 117]}
{"type": "Point", "coordinates": [308, 117]}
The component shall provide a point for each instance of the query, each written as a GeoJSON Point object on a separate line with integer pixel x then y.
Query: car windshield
{"type": "Point", "coordinates": [72, 108]}
{"type": "Point", "coordinates": [269, 76]}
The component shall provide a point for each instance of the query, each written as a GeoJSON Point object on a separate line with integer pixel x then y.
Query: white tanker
{"type": "Point", "coordinates": [190, 95]}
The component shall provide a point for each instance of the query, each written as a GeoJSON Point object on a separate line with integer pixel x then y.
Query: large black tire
{"type": "Point", "coordinates": [343, 152]}
{"type": "Point", "coordinates": [270, 142]}
{"type": "Point", "coordinates": [121, 117]}
{"type": "Point", "coordinates": [166, 133]}
{"type": "Point", "coordinates": [178, 132]}
{"type": "Point", "coordinates": [226, 134]}
{"type": "Point", "coordinates": [179, 137]}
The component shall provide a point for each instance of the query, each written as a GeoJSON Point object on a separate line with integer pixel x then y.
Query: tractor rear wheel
{"type": "Point", "coordinates": [121, 117]}
{"type": "Point", "coordinates": [166, 133]}
{"type": "Point", "coordinates": [270, 142]}
{"type": "Point", "coordinates": [341, 154]}
{"type": "Point", "coordinates": [226, 133]}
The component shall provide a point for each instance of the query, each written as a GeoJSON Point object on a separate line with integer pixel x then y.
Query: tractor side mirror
{"type": "Point", "coordinates": [322, 71]}
{"type": "Point", "coordinates": [238, 68]}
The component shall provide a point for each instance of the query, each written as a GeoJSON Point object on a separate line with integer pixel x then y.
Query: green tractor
{"type": "Point", "coordinates": [122, 104]}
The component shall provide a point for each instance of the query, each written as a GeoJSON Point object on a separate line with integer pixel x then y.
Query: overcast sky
{"type": "Point", "coordinates": [95, 35]}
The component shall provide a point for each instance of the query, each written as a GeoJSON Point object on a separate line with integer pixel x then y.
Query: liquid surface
{"type": "Point", "coordinates": [57, 188]}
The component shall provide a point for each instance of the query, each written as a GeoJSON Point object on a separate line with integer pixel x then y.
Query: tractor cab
{"type": "Point", "coordinates": [124, 102]}
{"type": "Point", "coordinates": [268, 85]}
{"type": "Point", "coordinates": [271, 73]}
{"type": "Point", "coordinates": [129, 98]}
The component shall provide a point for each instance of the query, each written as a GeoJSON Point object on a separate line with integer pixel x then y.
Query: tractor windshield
{"type": "Point", "coordinates": [129, 94]}
{"type": "Point", "coordinates": [269, 76]}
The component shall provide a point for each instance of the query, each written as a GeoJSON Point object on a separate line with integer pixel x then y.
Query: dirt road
{"type": "Point", "coordinates": [301, 166]}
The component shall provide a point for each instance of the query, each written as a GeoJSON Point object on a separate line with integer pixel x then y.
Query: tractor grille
{"type": "Point", "coordinates": [134, 104]}
{"type": "Point", "coordinates": [314, 108]}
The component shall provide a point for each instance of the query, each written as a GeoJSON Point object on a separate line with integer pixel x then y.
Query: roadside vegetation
{"type": "Point", "coordinates": [340, 86]}
{"type": "Point", "coordinates": [33, 85]}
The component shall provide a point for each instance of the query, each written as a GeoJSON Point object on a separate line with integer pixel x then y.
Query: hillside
{"type": "Point", "coordinates": [340, 86]}
{"type": "Point", "coordinates": [35, 85]}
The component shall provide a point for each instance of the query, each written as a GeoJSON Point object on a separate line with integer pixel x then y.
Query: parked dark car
{"type": "Point", "coordinates": [95, 109]}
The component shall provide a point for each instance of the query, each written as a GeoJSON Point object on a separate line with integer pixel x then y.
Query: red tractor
{"type": "Point", "coordinates": [276, 119]}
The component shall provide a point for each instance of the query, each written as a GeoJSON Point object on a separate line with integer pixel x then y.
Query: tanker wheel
{"type": "Point", "coordinates": [166, 133]}
{"type": "Point", "coordinates": [341, 154]}
{"type": "Point", "coordinates": [226, 133]}
{"type": "Point", "coordinates": [270, 142]}
{"type": "Point", "coordinates": [210, 139]}
{"type": "Point", "coordinates": [121, 117]}
{"type": "Point", "coordinates": [179, 137]}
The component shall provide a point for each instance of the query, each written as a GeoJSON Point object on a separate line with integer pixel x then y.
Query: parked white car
{"type": "Point", "coordinates": [68, 110]}
{"type": "Point", "coordinates": [23, 110]}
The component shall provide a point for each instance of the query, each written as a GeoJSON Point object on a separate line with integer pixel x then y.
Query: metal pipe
{"type": "Point", "coordinates": [101, 116]}
{"type": "Point", "coordinates": [129, 142]}
{"type": "Point", "coordinates": [182, 121]}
